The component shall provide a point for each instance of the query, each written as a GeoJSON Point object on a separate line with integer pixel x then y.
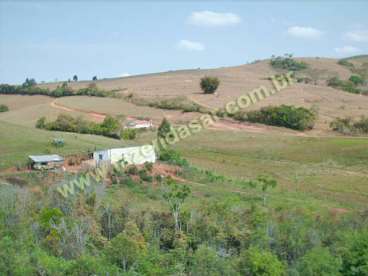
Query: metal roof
{"type": "Point", "coordinates": [46, 158]}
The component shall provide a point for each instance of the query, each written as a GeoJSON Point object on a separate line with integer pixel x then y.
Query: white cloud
{"type": "Point", "coordinates": [213, 19]}
{"type": "Point", "coordinates": [123, 75]}
{"type": "Point", "coordinates": [357, 36]}
{"type": "Point", "coordinates": [191, 45]}
{"type": "Point", "coordinates": [347, 50]}
{"type": "Point", "coordinates": [304, 32]}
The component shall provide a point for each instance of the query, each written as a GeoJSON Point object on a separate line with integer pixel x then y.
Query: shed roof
{"type": "Point", "coordinates": [46, 158]}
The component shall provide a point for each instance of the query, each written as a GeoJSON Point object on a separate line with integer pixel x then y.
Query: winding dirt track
{"type": "Point", "coordinates": [97, 116]}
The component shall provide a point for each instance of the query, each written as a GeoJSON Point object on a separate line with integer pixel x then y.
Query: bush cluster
{"type": "Point", "coordinates": [348, 126]}
{"type": "Point", "coordinates": [172, 157]}
{"type": "Point", "coordinates": [61, 91]}
{"type": "Point", "coordinates": [128, 134]}
{"type": "Point", "coordinates": [178, 103]}
{"type": "Point", "coordinates": [3, 108]}
{"type": "Point", "coordinates": [209, 85]}
{"type": "Point", "coordinates": [350, 85]}
{"type": "Point", "coordinates": [287, 62]}
{"type": "Point", "coordinates": [110, 127]}
{"type": "Point", "coordinates": [298, 118]}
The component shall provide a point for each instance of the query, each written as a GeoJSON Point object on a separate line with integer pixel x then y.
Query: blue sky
{"type": "Point", "coordinates": [50, 40]}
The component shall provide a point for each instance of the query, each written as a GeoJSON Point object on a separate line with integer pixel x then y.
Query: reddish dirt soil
{"type": "Point", "coordinates": [96, 116]}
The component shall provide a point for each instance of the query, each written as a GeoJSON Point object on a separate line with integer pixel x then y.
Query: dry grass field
{"type": "Point", "coordinates": [235, 81]}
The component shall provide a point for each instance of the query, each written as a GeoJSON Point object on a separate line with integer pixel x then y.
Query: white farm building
{"type": "Point", "coordinates": [131, 155]}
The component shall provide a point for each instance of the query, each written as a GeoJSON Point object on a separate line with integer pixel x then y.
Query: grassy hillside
{"type": "Point", "coordinates": [331, 171]}
{"type": "Point", "coordinates": [17, 142]}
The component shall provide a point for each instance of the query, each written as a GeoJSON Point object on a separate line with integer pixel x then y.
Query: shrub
{"type": "Point", "coordinates": [58, 142]}
{"type": "Point", "coordinates": [128, 134]}
{"type": "Point", "coordinates": [209, 84]}
{"type": "Point", "coordinates": [178, 103]}
{"type": "Point", "coordinates": [3, 108]}
{"type": "Point", "coordinates": [348, 126]}
{"type": "Point", "coordinates": [287, 63]}
{"type": "Point", "coordinates": [164, 128]}
{"type": "Point", "coordinates": [346, 63]}
{"type": "Point", "coordinates": [298, 118]}
{"type": "Point", "coordinates": [132, 170]}
{"type": "Point", "coordinates": [144, 176]}
{"type": "Point", "coordinates": [354, 253]}
{"type": "Point", "coordinates": [357, 80]}
{"type": "Point", "coordinates": [60, 91]}
{"type": "Point", "coordinates": [319, 261]}
{"type": "Point", "coordinates": [148, 166]}
{"type": "Point", "coordinates": [256, 261]}
{"type": "Point", "coordinates": [110, 127]}
{"type": "Point", "coordinates": [347, 86]}
{"type": "Point", "coordinates": [173, 157]}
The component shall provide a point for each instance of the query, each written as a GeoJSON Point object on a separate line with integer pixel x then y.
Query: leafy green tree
{"type": "Point", "coordinates": [357, 80]}
{"type": "Point", "coordinates": [110, 126]}
{"type": "Point", "coordinates": [207, 262]}
{"type": "Point", "coordinates": [29, 83]}
{"type": "Point", "coordinates": [287, 62]}
{"type": "Point", "coordinates": [123, 251]}
{"type": "Point", "coordinates": [128, 134]}
{"type": "Point", "coordinates": [209, 85]}
{"type": "Point", "coordinates": [7, 255]}
{"type": "Point", "coordinates": [319, 262]}
{"type": "Point", "coordinates": [41, 122]}
{"type": "Point", "coordinates": [94, 78]}
{"type": "Point", "coordinates": [175, 195]}
{"type": "Point", "coordinates": [354, 253]}
{"type": "Point", "coordinates": [90, 265]}
{"type": "Point", "coordinates": [75, 78]}
{"type": "Point", "coordinates": [164, 128]}
{"type": "Point", "coordinates": [298, 118]}
{"type": "Point", "coordinates": [255, 261]}
{"type": "Point", "coordinates": [49, 265]}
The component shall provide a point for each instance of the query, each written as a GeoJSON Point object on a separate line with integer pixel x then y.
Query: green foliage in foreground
{"type": "Point", "coordinates": [348, 126]}
{"type": "Point", "coordinates": [287, 62]}
{"type": "Point", "coordinates": [3, 108]}
{"type": "Point", "coordinates": [298, 118]}
{"type": "Point", "coordinates": [110, 127]}
{"type": "Point", "coordinates": [155, 226]}
{"type": "Point", "coordinates": [209, 85]}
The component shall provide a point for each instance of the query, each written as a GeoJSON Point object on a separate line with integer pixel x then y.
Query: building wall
{"type": "Point", "coordinates": [102, 153]}
{"type": "Point", "coordinates": [132, 155]}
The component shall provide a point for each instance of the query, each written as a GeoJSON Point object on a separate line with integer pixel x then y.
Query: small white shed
{"type": "Point", "coordinates": [131, 155]}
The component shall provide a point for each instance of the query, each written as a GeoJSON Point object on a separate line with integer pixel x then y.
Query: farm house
{"type": "Point", "coordinates": [131, 155]}
{"type": "Point", "coordinates": [46, 162]}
